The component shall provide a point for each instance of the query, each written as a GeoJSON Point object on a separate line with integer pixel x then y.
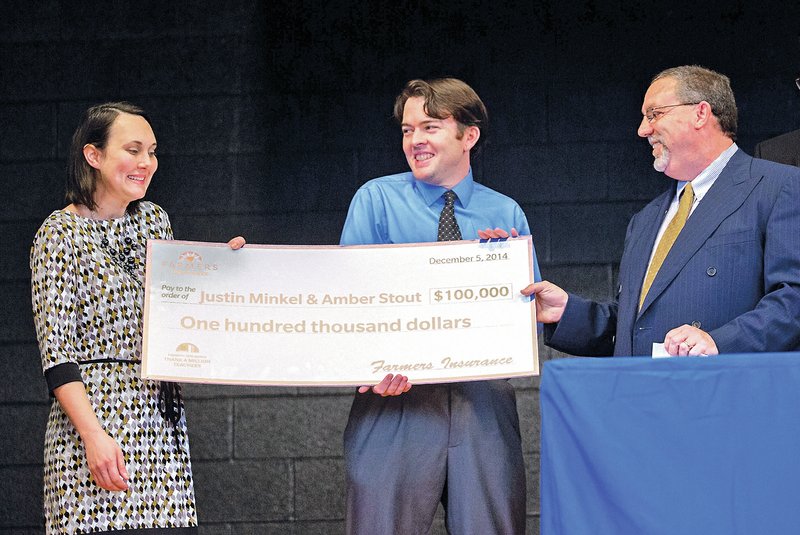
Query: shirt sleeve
{"type": "Point", "coordinates": [54, 283]}
{"type": "Point", "coordinates": [521, 224]}
{"type": "Point", "coordinates": [365, 223]}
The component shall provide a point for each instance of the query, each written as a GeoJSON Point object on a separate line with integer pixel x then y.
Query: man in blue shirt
{"type": "Point", "coordinates": [407, 450]}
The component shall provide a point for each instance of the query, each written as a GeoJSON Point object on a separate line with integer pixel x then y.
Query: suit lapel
{"type": "Point", "coordinates": [729, 191]}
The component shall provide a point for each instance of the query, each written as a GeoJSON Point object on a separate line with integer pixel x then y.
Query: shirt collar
{"type": "Point", "coordinates": [703, 182]}
{"type": "Point", "coordinates": [431, 193]}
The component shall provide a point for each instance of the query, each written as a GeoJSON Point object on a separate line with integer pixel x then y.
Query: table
{"type": "Point", "coordinates": [674, 446]}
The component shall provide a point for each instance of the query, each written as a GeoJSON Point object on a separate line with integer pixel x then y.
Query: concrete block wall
{"type": "Point", "coordinates": [269, 115]}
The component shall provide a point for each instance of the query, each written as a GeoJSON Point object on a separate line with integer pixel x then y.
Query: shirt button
{"type": "Point", "coordinates": [711, 271]}
{"type": "Point", "coordinates": [696, 324]}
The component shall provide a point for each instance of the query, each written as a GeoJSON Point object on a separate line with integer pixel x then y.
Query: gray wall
{"type": "Point", "coordinates": [270, 115]}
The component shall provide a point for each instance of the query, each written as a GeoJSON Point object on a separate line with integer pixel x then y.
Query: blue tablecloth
{"type": "Point", "coordinates": [673, 446]}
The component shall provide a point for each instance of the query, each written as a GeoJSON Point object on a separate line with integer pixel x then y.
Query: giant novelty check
{"type": "Point", "coordinates": [330, 315]}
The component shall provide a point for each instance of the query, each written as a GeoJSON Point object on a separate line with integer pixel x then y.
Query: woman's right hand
{"type": "Point", "coordinates": [105, 460]}
{"type": "Point", "coordinates": [103, 455]}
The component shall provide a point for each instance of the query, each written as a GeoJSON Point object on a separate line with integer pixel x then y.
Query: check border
{"type": "Point", "coordinates": [531, 367]}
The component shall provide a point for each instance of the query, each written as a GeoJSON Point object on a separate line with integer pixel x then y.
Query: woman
{"type": "Point", "coordinates": [116, 449]}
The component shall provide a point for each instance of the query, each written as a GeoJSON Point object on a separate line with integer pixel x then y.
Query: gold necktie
{"type": "Point", "coordinates": [670, 235]}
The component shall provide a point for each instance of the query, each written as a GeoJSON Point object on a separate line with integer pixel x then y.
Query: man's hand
{"type": "Point", "coordinates": [687, 340]}
{"type": "Point", "coordinates": [392, 385]}
{"type": "Point", "coordinates": [489, 233]}
{"type": "Point", "coordinates": [551, 301]}
{"type": "Point", "coordinates": [236, 243]}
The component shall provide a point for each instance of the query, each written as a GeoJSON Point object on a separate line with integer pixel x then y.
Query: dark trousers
{"type": "Point", "coordinates": [458, 444]}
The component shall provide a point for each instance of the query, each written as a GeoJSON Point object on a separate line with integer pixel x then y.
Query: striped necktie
{"type": "Point", "coordinates": [448, 227]}
{"type": "Point", "coordinates": [670, 235]}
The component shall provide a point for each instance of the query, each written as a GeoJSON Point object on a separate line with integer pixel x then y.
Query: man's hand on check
{"type": "Point", "coordinates": [392, 385]}
{"type": "Point", "coordinates": [497, 233]}
{"type": "Point", "coordinates": [236, 243]}
{"type": "Point", "coordinates": [551, 300]}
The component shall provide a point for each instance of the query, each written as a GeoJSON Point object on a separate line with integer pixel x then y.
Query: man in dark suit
{"type": "Point", "coordinates": [726, 278]}
{"type": "Point", "coordinates": [782, 149]}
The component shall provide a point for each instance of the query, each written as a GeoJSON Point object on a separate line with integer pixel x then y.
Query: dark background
{"type": "Point", "coordinates": [269, 115]}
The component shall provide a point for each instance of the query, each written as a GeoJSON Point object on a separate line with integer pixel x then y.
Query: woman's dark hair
{"type": "Point", "coordinates": [93, 129]}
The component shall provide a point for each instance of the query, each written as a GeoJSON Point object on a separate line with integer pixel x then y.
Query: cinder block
{"type": "Point", "coordinates": [268, 121]}
{"type": "Point", "coordinates": [25, 445]}
{"type": "Point", "coordinates": [273, 121]}
{"type": "Point", "coordinates": [320, 489]}
{"type": "Point", "coordinates": [37, 189]}
{"type": "Point", "coordinates": [30, 68]}
{"type": "Point", "coordinates": [197, 65]}
{"type": "Point", "coordinates": [21, 506]}
{"type": "Point", "coordinates": [521, 384]}
{"type": "Point", "coordinates": [290, 228]}
{"type": "Point", "coordinates": [518, 108]}
{"type": "Point", "coordinates": [533, 505]}
{"type": "Point", "coordinates": [631, 173]}
{"type": "Point", "coordinates": [548, 353]}
{"type": "Point", "coordinates": [768, 106]}
{"type": "Point", "coordinates": [590, 281]}
{"type": "Point", "coordinates": [347, 391]}
{"type": "Point", "coordinates": [210, 425]}
{"type": "Point", "coordinates": [438, 526]}
{"type": "Point", "coordinates": [539, 221]}
{"type": "Point", "coordinates": [283, 427]}
{"type": "Point", "coordinates": [294, 182]}
{"type": "Point", "coordinates": [80, 20]}
{"type": "Point", "coordinates": [201, 391]}
{"type": "Point", "coordinates": [532, 525]}
{"type": "Point", "coordinates": [79, 57]}
{"type": "Point", "coordinates": [16, 318]}
{"type": "Point", "coordinates": [600, 110]}
{"type": "Point", "coordinates": [243, 491]}
{"type": "Point", "coordinates": [589, 233]}
{"type": "Point", "coordinates": [69, 116]}
{"type": "Point", "coordinates": [529, 419]}
{"type": "Point", "coordinates": [240, 17]}
{"type": "Point", "coordinates": [549, 174]}
{"type": "Point", "coordinates": [383, 161]}
{"type": "Point", "coordinates": [195, 184]}
{"type": "Point", "coordinates": [28, 133]}
{"type": "Point", "coordinates": [201, 125]}
{"type": "Point", "coordinates": [21, 369]}
{"type": "Point", "coordinates": [205, 528]}
{"type": "Point", "coordinates": [15, 240]}
{"type": "Point", "coordinates": [22, 21]}
{"type": "Point", "coordinates": [289, 527]}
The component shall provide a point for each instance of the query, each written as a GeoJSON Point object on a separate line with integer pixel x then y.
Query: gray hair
{"type": "Point", "coordinates": [696, 83]}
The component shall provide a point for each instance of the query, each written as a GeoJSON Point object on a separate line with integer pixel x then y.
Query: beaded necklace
{"type": "Point", "coordinates": [122, 254]}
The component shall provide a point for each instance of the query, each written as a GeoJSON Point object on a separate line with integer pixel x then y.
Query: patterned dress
{"type": "Point", "coordinates": [87, 292]}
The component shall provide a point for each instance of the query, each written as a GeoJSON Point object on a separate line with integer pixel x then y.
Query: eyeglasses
{"type": "Point", "coordinates": [653, 115]}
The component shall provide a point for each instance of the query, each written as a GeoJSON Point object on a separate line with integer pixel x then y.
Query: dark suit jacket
{"type": "Point", "coordinates": [782, 149]}
{"type": "Point", "coordinates": [734, 271]}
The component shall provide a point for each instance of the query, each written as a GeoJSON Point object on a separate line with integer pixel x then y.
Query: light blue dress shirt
{"type": "Point", "coordinates": [400, 209]}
